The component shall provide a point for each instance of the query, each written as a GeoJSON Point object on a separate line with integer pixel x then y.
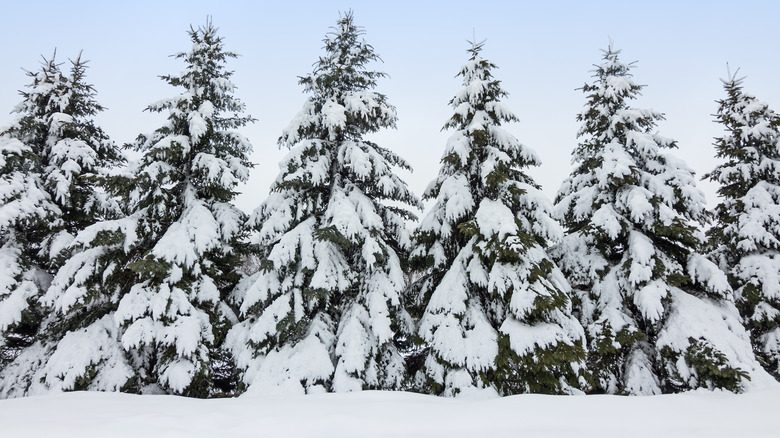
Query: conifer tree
{"type": "Point", "coordinates": [746, 235]}
{"type": "Point", "coordinates": [56, 156]}
{"type": "Point", "coordinates": [658, 315]}
{"type": "Point", "coordinates": [28, 216]}
{"type": "Point", "coordinates": [140, 303]}
{"type": "Point", "coordinates": [78, 161]}
{"type": "Point", "coordinates": [190, 232]}
{"type": "Point", "coordinates": [496, 311]}
{"type": "Point", "coordinates": [324, 312]}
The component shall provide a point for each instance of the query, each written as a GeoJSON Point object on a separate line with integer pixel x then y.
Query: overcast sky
{"type": "Point", "coordinates": [545, 50]}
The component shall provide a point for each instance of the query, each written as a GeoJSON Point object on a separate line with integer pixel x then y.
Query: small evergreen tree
{"type": "Point", "coordinates": [140, 303]}
{"type": "Point", "coordinates": [324, 312]}
{"type": "Point", "coordinates": [746, 235]}
{"type": "Point", "coordinates": [496, 311]}
{"type": "Point", "coordinates": [659, 316]}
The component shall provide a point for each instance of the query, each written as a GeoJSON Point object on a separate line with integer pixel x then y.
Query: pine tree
{"type": "Point", "coordinates": [324, 312]}
{"type": "Point", "coordinates": [140, 303]}
{"type": "Point", "coordinates": [496, 311]}
{"type": "Point", "coordinates": [659, 316]}
{"type": "Point", "coordinates": [746, 235]}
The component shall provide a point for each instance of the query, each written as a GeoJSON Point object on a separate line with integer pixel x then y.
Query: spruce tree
{"type": "Point", "coordinates": [140, 303]}
{"type": "Point", "coordinates": [659, 317]}
{"type": "Point", "coordinates": [28, 216]}
{"type": "Point", "coordinates": [78, 162]}
{"type": "Point", "coordinates": [191, 234]}
{"type": "Point", "coordinates": [62, 155]}
{"type": "Point", "coordinates": [324, 313]}
{"type": "Point", "coordinates": [496, 311]}
{"type": "Point", "coordinates": [746, 235]}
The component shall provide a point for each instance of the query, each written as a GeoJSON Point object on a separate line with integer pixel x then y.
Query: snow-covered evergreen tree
{"type": "Point", "coordinates": [140, 303]}
{"type": "Point", "coordinates": [27, 214]}
{"type": "Point", "coordinates": [496, 310]}
{"type": "Point", "coordinates": [658, 315]}
{"type": "Point", "coordinates": [78, 157]}
{"type": "Point", "coordinates": [325, 311]}
{"type": "Point", "coordinates": [53, 155]}
{"type": "Point", "coordinates": [746, 235]}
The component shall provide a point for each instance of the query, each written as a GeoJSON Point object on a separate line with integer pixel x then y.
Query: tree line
{"type": "Point", "coordinates": [144, 277]}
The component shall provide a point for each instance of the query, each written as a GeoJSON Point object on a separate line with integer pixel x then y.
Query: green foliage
{"type": "Point", "coordinates": [607, 352]}
{"type": "Point", "coordinates": [82, 383]}
{"type": "Point", "coordinates": [226, 378]}
{"type": "Point", "coordinates": [151, 267]}
{"type": "Point", "coordinates": [109, 238]}
{"type": "Point", "coordinates": [22, 334]}
{"type": "Point", "coordinates": [750, 296]}
{"type": "Point", "coordinates": [201, 385]}
{"type": "Point", "coordinates": [711, 367]}
{"type": "Point", "coordinates": [333, 235]}
{"type": "Point", "coordinates": [539, 371]}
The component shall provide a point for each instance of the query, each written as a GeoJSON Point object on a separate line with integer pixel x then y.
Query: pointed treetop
{"type": "Point", "coordinates": [610, 46]}
{"type": "Point", "coordinates": [732, 80]}
{"type": "Point", "coordinates": [476, 47]}
{"type": "Point", "coordinates": [611, 65]}
{"type": "Point", "coordinates": [207, 30]}
{"type": "Point", "coordinates": [78, 59]}
{"type": "Point", "coordinates": [50, 60]}
{"type": "Point", "coordinates": [345, 60]}
{"type": "Point", "coordinates": [47, 77]}
{"type": "Point", "coordinates": [207, 49]}
{"type": "Point", "coordinates": [78, 68]}
{"type": "Point", "coordinates": [345, 24]}
{"type": "Point", "coordinates": [345, 31]}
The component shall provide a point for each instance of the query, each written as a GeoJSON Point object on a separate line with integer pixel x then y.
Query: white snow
{"type": "Point", "coordinates": [396, 414]}
{"type": "Point", "coordinates": [719, 324]}
{"type": "Point", "coordinates": [494, 217]}
{"type": "Point", "coordinates": [82, 349]}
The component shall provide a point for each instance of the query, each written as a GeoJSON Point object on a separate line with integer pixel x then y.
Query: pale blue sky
{"type": "Point", "coordinates": [544, 51]}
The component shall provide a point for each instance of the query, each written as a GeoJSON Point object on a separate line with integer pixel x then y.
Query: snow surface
{"type": "Point", "coordinates": [384, 414]}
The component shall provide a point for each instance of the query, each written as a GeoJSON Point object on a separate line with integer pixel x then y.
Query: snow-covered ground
{"type": "Point", "coordinates": [384, 414]}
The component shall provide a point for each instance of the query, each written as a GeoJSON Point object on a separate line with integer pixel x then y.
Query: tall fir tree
{"type": "Point", "coordinates": [324, 313]}
{"type": "Point", "coordinates": [746, 235]}
{"type": "Point", "coordinates": [140, 304]}
{"type": "Point", "coordinates": [495, 309]}
{"type": "Point", "coordinates": [659, 316]}
{"type": "Point", "coordinates": [56, 155]}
